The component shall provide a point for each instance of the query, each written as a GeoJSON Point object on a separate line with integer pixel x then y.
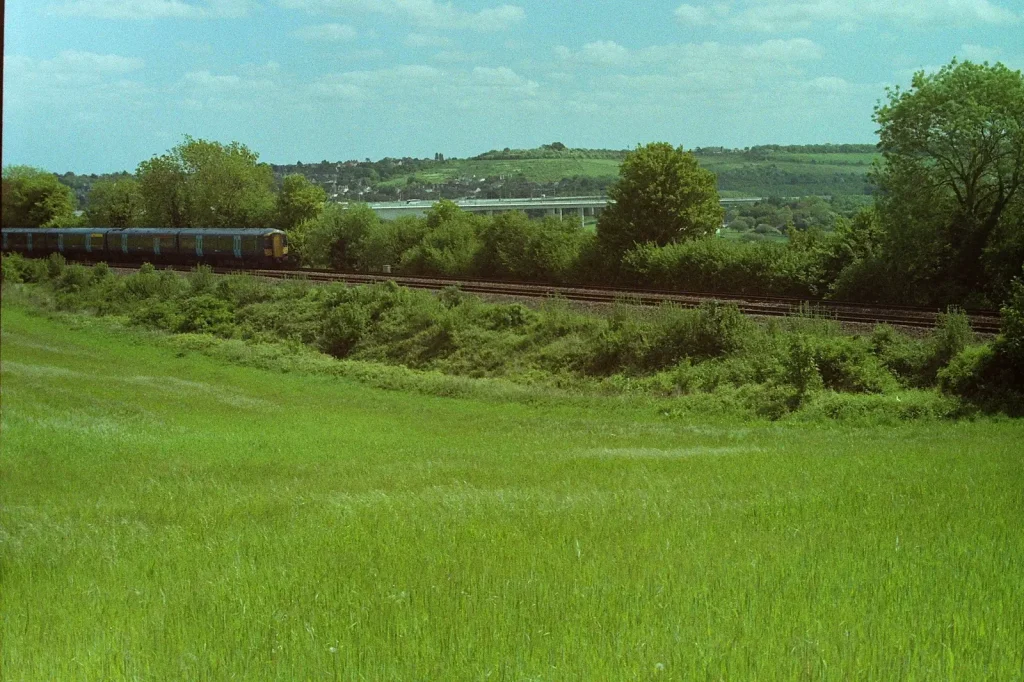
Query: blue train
{"type": "Point", "coordinates": [217, 246]}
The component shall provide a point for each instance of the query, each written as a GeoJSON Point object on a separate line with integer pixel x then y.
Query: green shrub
{"type": "Point", "coordinates": [148, 283]}
{"type": "Point", "coordinates": [801, 368]}
{"type": "Point", "coordinates": [243, 290]}
{"type": "Point", "coordinates": [712, 330]}
{"type": "Point", "coordinates": [624, 344]}
{"type": "Point", "coordinates": [12, 268]}
{"type": "Point", "coordinates": [73, 279]}
{"type": "Point", "coordinates": [871, 410]}
{"type": "Point", "coordinates": [724, 265]}
{"type": "Point", "coordinates": [907, 358]}
{"type": "Point", "coordinates": [342, 329]}
{"type": "Point", "coordinates": [508, 317]}
{"type": "Point", "coordinates": [202, 281]}
{"type": "Point", "coordinates": [952, 334]}
{"type": "Point", "coordinates": [967, 374]}
{"type": "Point", "coordinates": [55, 265]}
{"type": "Point", "coordinates": [100, 272]}
{"type": "Point", "coordinates": [156, 314]}
{"type": "Point", "coordinates": [205, 314]}
{"type": "Point", "coordinates": [1010, 344]}
{"type": "Point", "coordinates": [846, 364]}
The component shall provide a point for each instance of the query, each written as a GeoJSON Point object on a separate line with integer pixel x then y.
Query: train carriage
{"type": "Point", "coordinates": [31, 241]}
{"type": "Point", "coordinates": [219, 246]}
{"type": "Point", "coordinates": [143, 243]}
{"type": "Point", "coordinates": [82, 242]}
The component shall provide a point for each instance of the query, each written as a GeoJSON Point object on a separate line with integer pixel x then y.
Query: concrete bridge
{"type": "Point", "coordinates": [533, 207]}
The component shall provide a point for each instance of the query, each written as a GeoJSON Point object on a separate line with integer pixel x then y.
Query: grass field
{"type": "Point", "coordinates": [778, 174]}
{"type": "Point", "coordinates": [167, 516]}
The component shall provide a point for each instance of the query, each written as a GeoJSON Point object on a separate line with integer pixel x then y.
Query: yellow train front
{"type": "Point", "coordinates": [231, 247]}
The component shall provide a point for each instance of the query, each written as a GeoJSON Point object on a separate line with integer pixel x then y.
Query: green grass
{"type": "Point", "coordinates": [168, 516]}
{"type": "Point", "coordinates": [783, 174]}
{"type": "Point", "coordinates": [537, 170]}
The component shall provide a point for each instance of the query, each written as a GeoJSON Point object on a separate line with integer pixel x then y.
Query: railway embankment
{"type": "Point", "coordinates": [769, 365]}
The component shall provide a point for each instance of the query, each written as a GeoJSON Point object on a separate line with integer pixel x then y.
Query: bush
{"type": "Point", "coordinates": [148, 283]}
{"type": "Point", "coordinates": [12, 268]}
{"type": "Point", "coordinates": [785, 269]}
{"type": "Point", "coordinates": [992, 376]}
{"type": "Point", "coordinates": [712, 330]}
{"type": "Point", "coordinates": [801, 368]}
{"type": "Point", "coordinates": [73, 279]}
{"type": "Point", "coordinates": [952, 335]}
{"type": "Point", "coordinates": [846, 364]}
{"type": "Point", "coordinates": [243, 290]}
{"type": "Point", "coordinates": [55, 265]}
{"type": "Point", "coordinates": [871, 410]}
{"type": "Point", "coordinates": [156, 314]}
{"type": "Point", "coordinates": [342, 329]}
{"type": "Point", "coordinates": [1010, 344]}
{"type": "Point", "coordinates": [205, 314]}
{"type": "Point", "coordinates": [623, 345]}
{"type": "Point", "coordinates": [201, 281]}
{"type": "Point", "coordinates": [100, 272]}
{"type": "Point", "coordinates": [906, 358]}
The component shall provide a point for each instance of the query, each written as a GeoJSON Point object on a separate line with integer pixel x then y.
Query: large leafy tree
{"type": "Point", "coordinates": [115, 203]}
{"type": "Point", "coordinates": [299, 200]}
{"type": "Point", "coordinates": [34, 198]}
{"type": "Point", "coordinates": [662, 196]}
{"type": "Point", "coordinates": [207, 184]}
{"type": "Point", "coordinates": [333, 237]}
{"type": "Point", "coordinates": [953, 165]}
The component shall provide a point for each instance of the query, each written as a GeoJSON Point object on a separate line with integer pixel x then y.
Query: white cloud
{"type": "Point", "coordinates": [423, 40]}
{"type": "Point", "coordinates": [604, 52]}
{"type": "Point", "coordinates": [979, 53]}
{"type": "Point", "coordinates": [69, 66]}
{"type": "Point", "coordinates": [226, 83]}
{"type": "Point", "coordinates": [783, 15]}
{"type": "Point", "coordinates": [325, 32]}
{"type": "Point", "coordinates": [151, 9]}
{"type": "Point", "coordinates": [692, 15]}
{"type": "Point", "coordinates": [426, 13]}
{"type": "Point", "coordinates": [72, 78]}
{"type": "Point", "coordinates": [458, 57]}
{"type": "Point", "coordinates": [707, 56]}
{"type": "Point", "coordinates": [421, 83]}
{"type": "Point", "coordinates": [796, 49]}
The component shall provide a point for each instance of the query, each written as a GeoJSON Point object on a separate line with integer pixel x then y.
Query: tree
{"type": "Point", "coordinates": [115, 203]}
{"type": "Point", "coordinates": [34, 198]}
{"type": "Point", "coordinates": [207, 184]}
{"type": "Point", "coordinates": [662, 196]}
{"type": "Point", "coordinates": [299, 200]}
{"type": "Point", "coordinates": [450, 244]}
{"type": "Point", "coordinates": [332, 238]}
{"type": "Point", "coordinates": [953, 164]}
{"type": "Point", "coordinates": [516, 247]}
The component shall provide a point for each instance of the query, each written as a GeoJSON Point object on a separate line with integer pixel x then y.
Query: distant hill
{"type": "Point", "coordinates": [557, 170]}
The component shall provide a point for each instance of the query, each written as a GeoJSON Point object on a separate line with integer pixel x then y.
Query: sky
{"type": "Point", "coordinates": [95, 86]}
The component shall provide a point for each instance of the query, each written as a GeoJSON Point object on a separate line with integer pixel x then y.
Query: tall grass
{"type": "Point", "coordinates": [169, 516]}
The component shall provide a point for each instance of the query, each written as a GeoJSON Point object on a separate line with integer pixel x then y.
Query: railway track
{"type": "Point", "coordinates": [982, 321]}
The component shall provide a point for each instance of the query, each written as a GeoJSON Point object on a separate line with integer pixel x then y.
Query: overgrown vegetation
{"type": "Point", "coordinates": [769, 369]}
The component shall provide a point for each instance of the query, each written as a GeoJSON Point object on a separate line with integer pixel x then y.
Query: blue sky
{"type": "Point", "coordinates": [99, 85]}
